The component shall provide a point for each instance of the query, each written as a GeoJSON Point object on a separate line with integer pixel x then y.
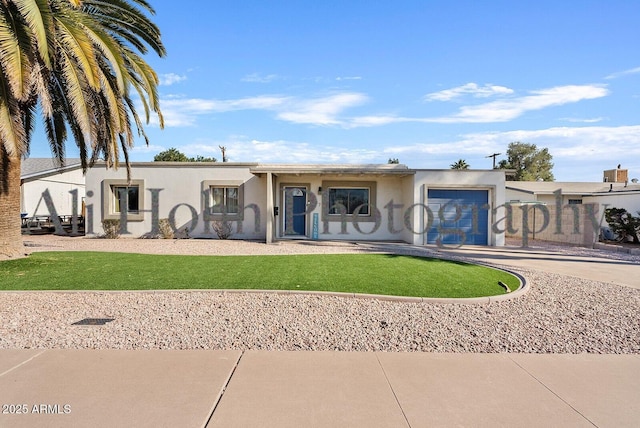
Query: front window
{"type": "Point", "coordinates": [350, 199]}
{"type": "Point", "coordinates": [113, 192]}
{"type": "Point", "coordinates": [224, 200]}
{"type": "Point", "coordinates": [131, 197]}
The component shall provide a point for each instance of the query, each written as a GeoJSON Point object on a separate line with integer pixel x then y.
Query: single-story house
{"type": "Point", "coordinates": [576, 209]}
{"type": "Point", "coordinates": [271, 202]}
{"type": "Point", "coordinates": [546, 192]}
{"type": "Point", "coordinates": [42, 176]}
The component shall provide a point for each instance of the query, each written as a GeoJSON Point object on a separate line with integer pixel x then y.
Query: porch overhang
{"type": "Point", "coordinates": [396, 170]}
{"type": "Point", "coordinates": [275, 172]}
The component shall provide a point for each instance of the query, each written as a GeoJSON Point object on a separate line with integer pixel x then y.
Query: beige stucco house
{"type": "Point", "coordinates": [272, 202]}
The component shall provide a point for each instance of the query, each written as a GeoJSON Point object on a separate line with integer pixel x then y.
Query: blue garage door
{"type": "Point", "coordinates": [459, 216]}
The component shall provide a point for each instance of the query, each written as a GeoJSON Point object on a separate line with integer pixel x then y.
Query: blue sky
{"type": "Point", "coordinates": [427, 82]}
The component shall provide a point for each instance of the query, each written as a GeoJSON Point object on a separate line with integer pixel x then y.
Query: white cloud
{"type": "Point", "coordinates": [169, 79]}
{"type": "Point", "coordinates": [143, 148]}
{"type": "Point", "coordinates": [321, 111]}
{"type": "Point", "coordinates": [367, 121]}
{"type": "Point", "coordinates": [496, 111]}
{"type": "Point", "coordinates": [179, 112]}
{"type": "Point", "coordinates": [505, 110]}
{"type": "Point", "coordinates": [473, 89]}
{"type": "Point", "coordinates": [348, 78]}
{"type": "Point", "coordinates": [578, 120]}
{"type": "Point", "coordinates": [589, 142]}
{"type": "Point", "coordinates": [243, 149]}
{"type": "Point", "coordinates": [579, 153]}
{"type": "Point", "coordinates": [623, 73]}
{"type": "Point", "coordinates": [259, 78]}
{"type": "Point", "coordinates": [329, 110]}
{"type": "Point", "coordinates": [317, 111]}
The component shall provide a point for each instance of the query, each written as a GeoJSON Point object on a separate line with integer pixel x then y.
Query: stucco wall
{"type": "Point", "coordinates": [388, 188]}
{"type": "Point", "coordinates": [491, 180]}
{"type": "Point", "coordinates": [629, 201]}
{"type": "Point", "coordinates": [59, 187]}
{"type": "Point", "coordinates": [571, 224]}
{"type": "Point", "coordinates": [179, 192]}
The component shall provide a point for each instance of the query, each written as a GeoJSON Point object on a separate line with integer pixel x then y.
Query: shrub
{"type": "Point", "coordinates": [166, 231]}
{"type": "Point", "coordinates": [623, 223]}
{"type": "Point", "coordinates": [111, 229]}
{"type": "Point", "coordinates": [224, 229]}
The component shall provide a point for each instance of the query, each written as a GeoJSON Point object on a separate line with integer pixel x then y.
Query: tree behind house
{"type": "Point", "coordinates": [529, 162]}
{"type": "Point", "coordinates": [174, 155]}
{"type": "Point", "coordinates": [460, 164]}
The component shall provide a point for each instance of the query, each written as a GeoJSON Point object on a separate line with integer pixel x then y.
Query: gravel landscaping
{"type": "Point", "coordinates": [560, 314]}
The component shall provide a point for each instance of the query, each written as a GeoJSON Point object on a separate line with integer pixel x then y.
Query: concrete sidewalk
{"type": "Point", "coordinates": [63, 388]}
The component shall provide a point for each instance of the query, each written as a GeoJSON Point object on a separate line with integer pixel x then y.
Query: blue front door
{"type": "Point", "coordinates": [295, 203]}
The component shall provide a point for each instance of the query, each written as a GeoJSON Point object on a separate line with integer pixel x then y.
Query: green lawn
{"type": "Point", "coordinates": [351, 273]}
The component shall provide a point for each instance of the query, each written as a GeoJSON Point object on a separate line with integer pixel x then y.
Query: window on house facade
{"type": "Point", "coordinates": [575, 201]}
{"type": "Point", "coordinates": [351, 198]}
{"type": "Point", "coordinates": [225, 200]}
{"type": "Point", "coordinates": [131, 197]}
{"type": "Point", "coordinates": [133, 193]}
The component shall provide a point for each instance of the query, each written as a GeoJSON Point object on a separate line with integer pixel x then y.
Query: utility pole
{"type": "Point", "coordinates": [494, 158]}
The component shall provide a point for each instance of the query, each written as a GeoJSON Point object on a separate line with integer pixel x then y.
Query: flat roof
{"type": "Point", "coordinates": [346, 169]}
{"type": "Point", "coordinates": [567, 187]}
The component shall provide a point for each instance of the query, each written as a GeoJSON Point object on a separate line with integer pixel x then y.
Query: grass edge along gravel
{"type": "Point", "coordinates": [384, 274]}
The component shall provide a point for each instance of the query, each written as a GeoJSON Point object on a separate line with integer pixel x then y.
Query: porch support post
{"type": "Point", "coordinates": [270, 206]}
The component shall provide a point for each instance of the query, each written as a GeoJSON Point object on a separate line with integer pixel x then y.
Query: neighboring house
{"type": "Point", "coordinates": [270, 202]}
{"type": "Point", "coordinates": [571, 198]}
{"type": "Point", "coordinates": [39, 175]}
{"type": "Point", "coordinates": [627, 198]}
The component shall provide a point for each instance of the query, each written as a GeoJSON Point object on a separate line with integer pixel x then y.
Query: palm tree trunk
{"type": "Point", "coordinates": [10, 232]}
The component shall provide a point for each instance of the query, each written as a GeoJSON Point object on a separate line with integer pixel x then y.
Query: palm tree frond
{"type": "Point", "coordinates": [37, 15]}
{"type": "Point", "coordinates": [15, 46]}
{"type": "Point", "coordinates": [75, 42]}
{"type": "Point", "coordinates": [128, 22]}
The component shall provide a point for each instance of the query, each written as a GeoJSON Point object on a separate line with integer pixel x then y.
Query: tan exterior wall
{"type": "Point", "coordinates": [178, 190]}
{"type": "Point", "coordinates": [562, 227]}
{"type": "Point", "coordinates": [387, 189]}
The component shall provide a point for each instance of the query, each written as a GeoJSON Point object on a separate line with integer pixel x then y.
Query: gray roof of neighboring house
{"type": "Point", "coordinates": [34, 168]}
{"type": "Point", "coordinates": [568, 188]}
